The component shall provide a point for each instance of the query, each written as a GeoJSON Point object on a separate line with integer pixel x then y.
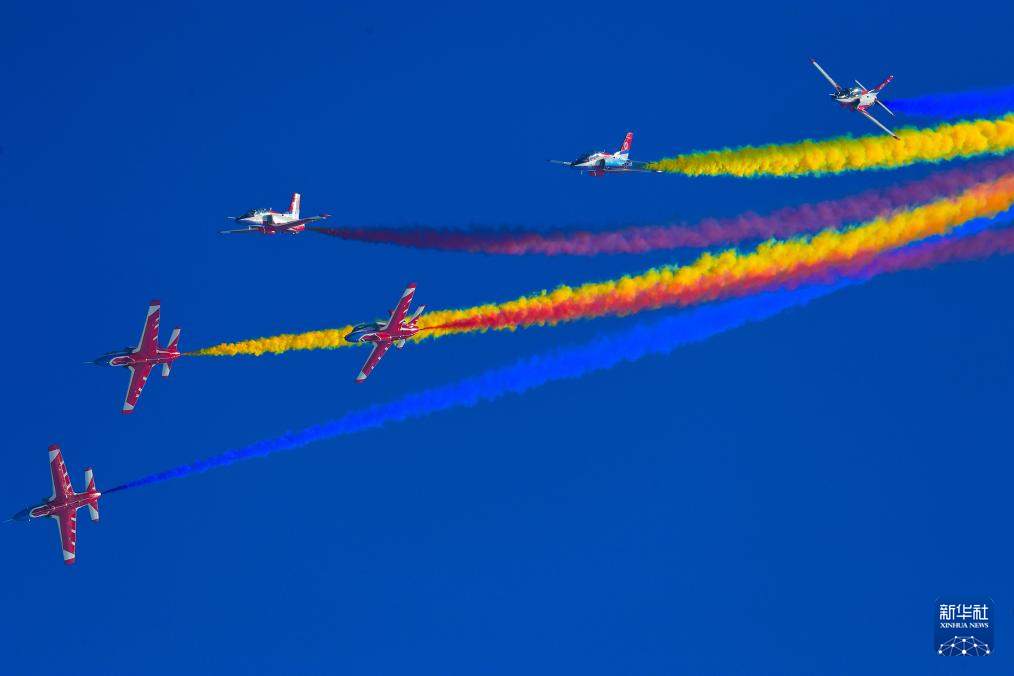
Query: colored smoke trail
{"type": "Point", "coordinates": [649, 338]}
{"type": "Point", "coordinates": [658, 337]}
{"type": "Point", "coordinates": [944, 142]}
{"type": "Point", "coordinates": [708, 232]}
{"type": "Point", "coordinates": [773, 264]}
{"type": "Point", "coordinates": [958, 104]}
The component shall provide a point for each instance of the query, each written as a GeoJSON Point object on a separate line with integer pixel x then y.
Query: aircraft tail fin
{"type": "Point", "coordinates": [93, 505]}
{"type": "Point", "coordinates": [294, 205]}
{"type": "Point", "coordinates": [883, 84]}
{"type": "Point", "coordinates": [625, 148]}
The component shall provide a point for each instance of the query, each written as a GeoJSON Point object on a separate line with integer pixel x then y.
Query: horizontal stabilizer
{"type": "Point", "coordinates": [93, 505]}
{"type": "Point", "coordinates": [415, 315]}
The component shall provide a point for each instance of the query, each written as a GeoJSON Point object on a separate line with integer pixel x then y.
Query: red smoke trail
{"type": "Point", "coordinates": [862, 266]}
{"type": "Point", "coordinates": [781, 224]}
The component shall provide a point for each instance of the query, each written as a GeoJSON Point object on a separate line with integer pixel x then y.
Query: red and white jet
{"type": "Point", "coordinates": [64, 503]}
{"type": "Point", "coordinates": [859, 98]}
{"type": "Point", "coordinates": [395, 331]}
{"type": "Point", "coordinates": [600, 163]}
{"type": "Point", "coordinates": [143, 358]}
{"type": "Point", "coordinates": [271, 222]}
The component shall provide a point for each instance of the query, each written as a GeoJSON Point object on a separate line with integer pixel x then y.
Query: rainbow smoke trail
{"type": "Point", "coordinates": [646, 339]}
{"type": "Point", "coordinates": [708, 232]}
{"type": "Point", "coordinates": [711, 277]}
{"type": "Point", "coordinates": [844, 153]}
{"type": "Point", "coordinates": [659, 337]}
{"type": "Point", "coordinates": [958, 104]}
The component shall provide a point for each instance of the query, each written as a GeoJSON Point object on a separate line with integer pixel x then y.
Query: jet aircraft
{"type": "Point", "coordinates": [859, 99]}
{"type": "Point", "coordinates": [600, 163]}
{"type": "Point", "coordinates": [395, 331]}
{"type": "Point", "coordinates": [271, 222]}
{"type": "Point", "coordinates": [64, 503]}
{"type": "Point", "coordinates": [141, 359]}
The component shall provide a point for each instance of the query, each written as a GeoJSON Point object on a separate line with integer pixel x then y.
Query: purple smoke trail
{"type": "Point", "coordinates": [708, 232]}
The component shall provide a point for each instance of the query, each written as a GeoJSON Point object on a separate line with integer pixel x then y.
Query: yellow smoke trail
{"type": "Point", "coordinates": [709, 277]}
{"type": "Point", "coordinates": [835, 155]}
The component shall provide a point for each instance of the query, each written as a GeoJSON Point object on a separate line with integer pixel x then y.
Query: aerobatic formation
{"type": "Point", "coordinates": [788, 258]}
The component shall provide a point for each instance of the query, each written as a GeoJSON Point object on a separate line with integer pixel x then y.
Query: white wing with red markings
{"type": "Point", "coordinates": [877, 122]}
{"type": "Point", "coordinates": [138, 377]}
{"type": "Point", "coordinates": [834, 84]}
{"type": "Point", "coordinates": [58, 471]}
{"type": "Point", "coordinates": [67, 523]}
{"type": "Point", "coordinates": [149, 335]}
{"type": "Point", "coordinates": [398, 314]}
{"type": "Point", "coordinates": [379, 350]}
{"type": "Point", "coordinates": [306, 221]}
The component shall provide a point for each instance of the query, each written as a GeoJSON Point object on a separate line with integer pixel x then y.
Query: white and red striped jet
{"type": "Point", "coordinates": [859, 98]}
{"type": "Point", "coordinates": [143, 358]}
{"type": "Point", "coordinates": [271, 222]}
{"type": "Point", "coordinates": [64, 503]}
{"type": "Point", "coordinates": [395, 331]}
{"type": "Point", "coordinates": [600, 163]}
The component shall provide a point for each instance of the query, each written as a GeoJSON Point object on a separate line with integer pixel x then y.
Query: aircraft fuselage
{"type": "Point", "coordinates": [130, 358]}
{"type": "Point", "coordinates": [57, 505]}
{"type": "Point", "coordinates": [855, 99]}
{"type": "Point", "coordinates": [382, 336]}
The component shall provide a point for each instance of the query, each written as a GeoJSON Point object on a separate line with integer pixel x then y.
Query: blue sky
{"type": "Point", "coordinates": [788, 498]}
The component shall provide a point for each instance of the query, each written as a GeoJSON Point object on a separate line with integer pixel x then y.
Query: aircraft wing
{"type": "Point", "coordinates": [569, 164]}
{"type": "Point", "coordinates": [823, 72]}
{"type": "Point", "coordinates": [637, 165]}
{"type": "Point", "coordinates": [231, 232]}
{"type": "Point", "coordinates": [307, 220]}
{"type": "Point", "coordinates": [877, 122]}
{"type": "Point", "coordinates": [138, 377]}
{"type": "Point", "coordinates": [149, 334]}
{"type": "Point", "coordinates": [401, 310]}
{"type": "Point", "coordinates": [379, 350]}
{"type": "Point", "coordinates": [58, 472]}
{"type": "Point", "coordinates": [66, 522]}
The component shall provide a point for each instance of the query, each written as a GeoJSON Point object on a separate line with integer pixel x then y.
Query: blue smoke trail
{"type": "Point", "coordinates": [648, 338]}
{"type": "Point", "coordinates": [961, 104]}
{"type": "Point", "coordinates": [645, 339]}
